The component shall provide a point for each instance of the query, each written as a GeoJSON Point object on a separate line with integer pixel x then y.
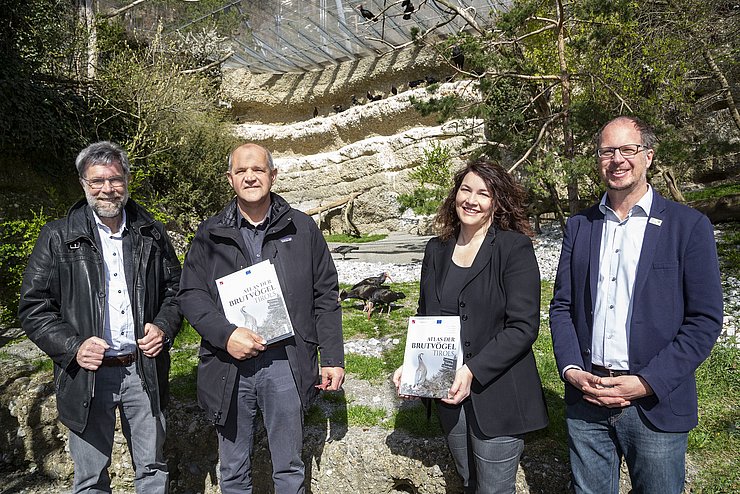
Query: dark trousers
{"type": "Point", "coordinates": [266, 384]}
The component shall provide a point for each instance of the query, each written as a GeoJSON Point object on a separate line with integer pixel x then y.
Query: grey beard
{"type": "Point", "coordinates": [107, 209]}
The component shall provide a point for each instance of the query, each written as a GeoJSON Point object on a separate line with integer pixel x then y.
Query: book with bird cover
{"type": "Point", "coordinates": [432, 356]}
{"type": "Point", "coordinates": [252, 299]}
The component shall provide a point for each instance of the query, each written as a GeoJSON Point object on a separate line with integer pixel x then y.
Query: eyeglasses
{"type": "Point", "coordinates": [627, 150]}
{"type": "Point", "coordinates": [99, 183]}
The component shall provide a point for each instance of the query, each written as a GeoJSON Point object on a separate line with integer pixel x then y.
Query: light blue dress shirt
{"type": "Point", "coordinates": [621, 245]}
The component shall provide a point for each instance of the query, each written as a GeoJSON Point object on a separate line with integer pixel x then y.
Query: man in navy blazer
{"type": "Point", "coordinates": [637, 308]}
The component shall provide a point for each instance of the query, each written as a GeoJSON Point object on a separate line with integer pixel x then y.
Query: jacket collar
{"type": "Point", "coordinates": [443, 258]}
{"type": "Point", "coordinates": [81, 222]}
{"type": "Point", "coordinates": [227, 224]}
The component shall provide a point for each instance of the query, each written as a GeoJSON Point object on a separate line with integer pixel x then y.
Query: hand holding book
{"type": "Point", "coordinates": [244, 343]}
{"type": "Point", "coordinates": [460, 388]}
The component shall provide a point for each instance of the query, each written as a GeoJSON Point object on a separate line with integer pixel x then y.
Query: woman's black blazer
{"type": "Point", "coordinates": [499, 309]}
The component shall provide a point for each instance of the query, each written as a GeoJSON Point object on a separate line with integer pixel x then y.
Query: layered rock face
{"type": "Point", "coordinates": [353, 146]}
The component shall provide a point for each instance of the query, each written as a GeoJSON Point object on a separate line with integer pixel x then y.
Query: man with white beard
{"type": "Point", "coordinates": [98, 297]}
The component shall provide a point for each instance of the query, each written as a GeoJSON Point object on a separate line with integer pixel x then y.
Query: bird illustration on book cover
{"type": "Point", "coordinates": [432, 356]}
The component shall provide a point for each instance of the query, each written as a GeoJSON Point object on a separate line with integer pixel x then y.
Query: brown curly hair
{"type": "Point", "coordinates": [507, 195]}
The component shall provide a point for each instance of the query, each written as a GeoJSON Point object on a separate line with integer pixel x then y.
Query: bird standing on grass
{"type": "Point", "coordinates": [384, 297]}
{"type": "Point", "coordinates": [375, 281]}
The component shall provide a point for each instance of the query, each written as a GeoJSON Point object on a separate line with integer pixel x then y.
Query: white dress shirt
{"type": "Point", "coordinates": [621, 245]}
{"type": "Point", "coordinates": [118, 328]}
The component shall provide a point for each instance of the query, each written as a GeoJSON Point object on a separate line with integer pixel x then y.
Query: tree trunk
{"type": "Point", "coordinates": [671, 183]}
{"type": "Point", "coordinates": [87, 19]}
{"type": "Point", "coordinates": [726, 90]}
{"type": "Point", "coordinates": [569, 152]}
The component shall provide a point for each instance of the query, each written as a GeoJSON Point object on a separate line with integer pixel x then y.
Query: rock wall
{"type": "Point", "coordinates": [368, 148]}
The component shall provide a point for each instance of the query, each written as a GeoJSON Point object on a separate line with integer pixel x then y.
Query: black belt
{"type": "Point", "coordinates": [600, 371]}
{"type": "Point", "coordinates": [119, 360]}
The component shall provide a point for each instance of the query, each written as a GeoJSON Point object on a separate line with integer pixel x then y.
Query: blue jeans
{"type": "Point", "coordinates": [120, 388]}
{"type": "Point", "coordinates": [598, 438]}
{"type": "Point", "coordinates": [266, 383]}
{"type": "Point", "coordinates": [487, 465]}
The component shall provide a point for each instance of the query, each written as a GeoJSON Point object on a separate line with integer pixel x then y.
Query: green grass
{"type": "Point", "coordinates": [712, 192]}
{"type": "Point", "coordinates": [360, 416]}
{"type": "Point", "coordinates": [346, 239]}
{"type": "Point", "coordinates": [365, 367]}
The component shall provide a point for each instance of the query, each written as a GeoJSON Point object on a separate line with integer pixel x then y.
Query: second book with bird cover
{"type": "Point", "coordinates": [432, 356]}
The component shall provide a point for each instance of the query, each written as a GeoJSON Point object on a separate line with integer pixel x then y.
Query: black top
{"type": "Point", "coordinates": [451, 288]}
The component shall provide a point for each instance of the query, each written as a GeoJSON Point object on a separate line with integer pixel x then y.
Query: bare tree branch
{"type": "Point", "coordinates": [536, 142]}
{"type": "Point", "coordinates": [113, 13]}
{"type": "Point", "coordinates": [462, 13]}
{"type": "Point", "coordinates": [209, 66]}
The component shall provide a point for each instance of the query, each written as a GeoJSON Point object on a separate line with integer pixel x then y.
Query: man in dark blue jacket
{"type": "Point", "coordinates": [637, 308]}
{"type": "Point", "coordinates": [238, 374]}
{"type": "Point", "coordinates": [98, 297]}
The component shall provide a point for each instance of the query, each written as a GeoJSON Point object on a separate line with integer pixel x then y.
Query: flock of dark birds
{"type": "Point", "coordinates": [406, 5]}
{"type": "Point", "coordinates": [373, 294]}
{"type": "Point", "coordinates": [457, 59]}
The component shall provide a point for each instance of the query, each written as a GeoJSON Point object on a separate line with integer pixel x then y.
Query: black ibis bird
{"type": "Point", "coordinates": [344, 250]}
{"type": "Point", "coordinates": [338, 108]}
{"type": "Point", "coordinates": [315, 111]}
{"type": "Point", "coordinates": [354, 100]}
{"type": "Point", "coordinates": [431, 80]}
{"type": "Point", "coordinates": [417, 82]}
{"type": "Point", "coordinates": [394, 90]}
{"type": "Point", "coordinates": [382, 297]}
{"type": "Point", "coordinates": [367, 14]}
{"type": "Point", "coordinates": [408, 9]}
{"type": "Point", "coordinates": [374, 97]}
{"type": "Point", "coordinates": [375, 281]}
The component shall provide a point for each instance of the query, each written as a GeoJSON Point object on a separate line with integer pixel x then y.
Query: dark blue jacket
{"type": "Point", "coordinates": [677, 313]}
{"type": "Point", "coordinates": [307, 277]}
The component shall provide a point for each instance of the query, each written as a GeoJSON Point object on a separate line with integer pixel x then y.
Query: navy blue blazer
{"type": "Point", "coordinates": [499, 308]}
{"type": "Point", "coordinates": [676, 318]}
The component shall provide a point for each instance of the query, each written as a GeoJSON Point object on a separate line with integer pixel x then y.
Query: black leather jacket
{"type": "Point", "coordinates": [63, 301]}
{"type": "Point", "coordinates": [308, 279]}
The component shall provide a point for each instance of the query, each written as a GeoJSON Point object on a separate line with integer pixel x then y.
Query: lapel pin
{"type": "Point", "coordinates": [655, 221]}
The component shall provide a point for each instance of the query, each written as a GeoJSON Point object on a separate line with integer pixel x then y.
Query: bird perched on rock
{"type": "Point", "coordinates": [367, 14]}
{"type": "Point", "coordinates": [354, 101]}
{"type": "Point", "coordinates": [420, 376]}
{"type": "Point", "coordinates": [394, 90]}
{"type": "Point", "coordinates": [431, 80]}
{"type": "Point", "coordinates": [408, 9]}
{"type": "Point", "coordinates": [375, 281]}
{"type": "Point", "coordinates": [315, 111]}
{"type": "Point", "coordinates": [417, 82]}
{"type": "Point", "coordinates": [374, 97]}
{"type": "Point", "coordinates": [382, 297]}
{"type": "Point", "coordinates": [338, 108]}
{"type": "Point", "coordinates": [344, 250]}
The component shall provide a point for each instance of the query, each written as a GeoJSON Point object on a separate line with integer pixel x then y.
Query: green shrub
{"type": "Point", "coordinates": [435, 179]}
{"type": "Point", "coordinates": [17, 238]}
